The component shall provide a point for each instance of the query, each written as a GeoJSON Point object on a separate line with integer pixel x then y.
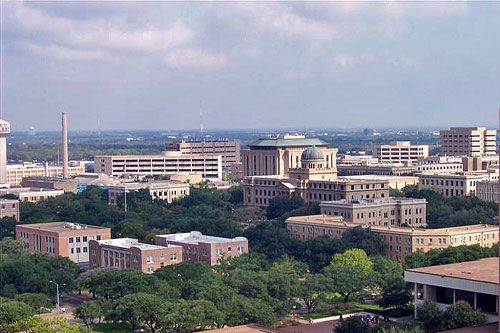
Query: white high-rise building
{"type": "Point", "coordinates": [4, 133]}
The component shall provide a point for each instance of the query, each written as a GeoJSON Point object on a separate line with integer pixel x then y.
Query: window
{"type": "Point", "coordinates": [149, 260]}
{"type": "Point", "coordinates": [240, 249]}
{"type": "Point", "coordinates": [84, 238]}
{"type": "Point", "coordinates": [229, 249]}
{"type": "Point", "coordinates": [85, 249]}
{"type": "Point", "coordinates": [71, 240]}
{"type": "Point", "coordinates": [78, 250]}
{"type": "Point", "coordinates": [219, 252]}
{"type": "Point", "coordinates": [98, 237]}
{"type": "Point", "coordinates": [78, 239]}
{"type": "Point", "coordinates": [173, 256]}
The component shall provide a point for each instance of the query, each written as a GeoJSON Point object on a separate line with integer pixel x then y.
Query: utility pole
{"type": "Point", "coordinates": [57, 295]}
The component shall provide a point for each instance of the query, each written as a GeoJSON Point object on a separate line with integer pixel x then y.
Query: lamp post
{"type": "Point", "coordinates": [57, 294]}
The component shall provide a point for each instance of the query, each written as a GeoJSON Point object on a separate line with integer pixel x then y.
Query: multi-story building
{"type": "Point", "coordinates": [395, 182]}
{"type": "Point", "coordinates": [209, 249]}
{"type": "Point", "coordinates": [64, 239]}
{"type": "Point", "coordinates": [276, 156]}
{"type": "Point", "coordinates": [488, 191]}
{"type": "Point", "coordinates": [398, 169]}
{"type": "Point", "coordinates": [228, 149]}
{"type": "Point", "coordinates": [474, 282]}
{"type": "Point", "coordinates": [454, 184]}
{"type": "Point", "coordinates": [400, 152]}
{"type": "Point", "coordinates": [129, 253]}
{"type": "Point", "coordinates": [469, 141]}
{"type": "Point", "coordinates": [29, 194]}
{"type": "Point", "coordinates": [401, 241]}
{"type": "Point", "coordinates": [9, 208]}
{"type": "Point", "coordinates": [313, 181]}
{"type": "Point", "coordinates": [167, 163]}
{"type": "Point", "coordinates": [16, 172]}
{"type": "Point", "coordinates": [4, 133]}
{"type": "Point", "coordinates": [75, 184]}
{"type": "Point", "coordinates": [383, 212]}
{"type": "Point", "coordinates": [162, 190]}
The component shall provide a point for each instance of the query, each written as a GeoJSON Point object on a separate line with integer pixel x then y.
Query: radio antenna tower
{"type": "Point", "coordinates": [201, 120]}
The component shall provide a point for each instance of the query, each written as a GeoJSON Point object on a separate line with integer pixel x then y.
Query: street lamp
{"type": "Point", "coordinates": [57, 293]}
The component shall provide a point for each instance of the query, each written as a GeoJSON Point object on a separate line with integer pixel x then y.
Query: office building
{"type": "Point", "coordinates": [469, 141]}
{"type": "Point", "coordinates": [162, 190]}
{"type": "Point", "coordinates": [400, 152]}
{"type": "Point", "coordinates": [31, 194]}
{"type": "Point", "coordinates": [398, 169]}
{"type": "Point", "coordinates": [475, 282]}
{"type": "Point", "coordinates": [276, 156]}
{"type": "Point", "coordinates": [209, 249]}
{"type": "Point", "coordinates": [313, 181]}
{"type": "Point", "coordinates": [4, 133]}
{"type": "Point", "coordinates": [64, 239]}
{"type": "Point", "coordinates": [75, 184]}
{"type": "Point", "coordinates": [9, 208]}
{"type": "Point", "coordinates": [454, 184]}
{"type": "Point", "coordinates": [16, 172]}
{"type": "Point", "coordinates": [129, 253]}
{"type": "Point", "coordinates": [383, 212]}
{"type": "Point", "coordinates": [488, 191]}
{"type": "Point", "coordinates": [228, 149]}
{"type": "Point", "coordinates": [401, 241]}
{"type": "Point", "coordinates": [395, 182]}
{"type": "Point", "coordinates": [164, 164]}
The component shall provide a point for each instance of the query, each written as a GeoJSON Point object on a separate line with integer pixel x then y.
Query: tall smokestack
{"type": "Point", "coordinates": [65, 145]}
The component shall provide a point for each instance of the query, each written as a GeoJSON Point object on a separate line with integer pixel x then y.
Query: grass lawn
{"type": "Point", "coordinates": [111, 328]}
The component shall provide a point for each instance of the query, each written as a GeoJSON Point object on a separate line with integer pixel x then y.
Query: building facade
{"type": "Point", "coordinates": [4, 133]}
{"type": "Point", "coordinates": [276, 156]}
{"type": "Point", "coordinates": [16, 173]}
{"type": "Point", "coordinates": [401, 241]}
{"type": "Point", "coordinates": [28, 194]}
{"type": "Point", "coordinates": [395, 182]}
{"type": "Point", "coordinates": [398, 169]}
{"type": "Point", "coordinates": [382, 212]}
{"type": "Point", "coordinates": [159, 165]}
{"type": "Point", "coordinates": [400, 152]}
{"type": "Point", "coordinates": [229, 150]}
{"type": "Point", "coordinates": [469, 141]}
{"type": "Point", "coordinates": [313, 181]}
{"type": "Point", "coordinates": [129, 253]}
{"type": "Point", "coordinates": [474, 282]}
{"type": "Point", "coordinates": [64, 239]}
{"type": "Point", "coordinates": [209, 249]}
{"type": "Point", "coordinates": [162, 190]}
{"type": "Point", "coordinates": [9, 208]}
{"type": "Point", "coordinates": [488, 191]}
{"type": "Point", "coordinates": [454, 184]}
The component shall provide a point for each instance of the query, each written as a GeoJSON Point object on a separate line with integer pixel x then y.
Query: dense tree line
{"type": "Point", "coordinates": [450, 212]}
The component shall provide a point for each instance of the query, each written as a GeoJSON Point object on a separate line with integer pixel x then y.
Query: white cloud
{"type": "Point", "coordinates": [64, 53]}
{"type": "Point", "coordinates": [344, 60]}
{"type": "Point", "coordinates": [195, 58]}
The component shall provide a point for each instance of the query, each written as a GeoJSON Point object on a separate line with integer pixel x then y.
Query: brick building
{"type": "Point", "coordinates": [9, 208]}
{"type": "Point", "coordinates": [209, 249]}
{"type": "Point", "coordinates": [129, 253]}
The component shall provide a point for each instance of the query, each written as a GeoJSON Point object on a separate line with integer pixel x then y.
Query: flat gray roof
{"type": "Point", "coordinates": [195, 237]}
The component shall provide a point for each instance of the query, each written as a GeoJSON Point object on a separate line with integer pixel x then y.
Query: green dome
{"type": "Point", "coordinates": [312, 154]}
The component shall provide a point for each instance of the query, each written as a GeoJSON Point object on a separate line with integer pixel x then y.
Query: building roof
{"type": "Point", "coordinates": [372, 201]}
{"type": "Point", "coordinates": [195, 237]}
{"type": "Point", "coordinates": [284, 141]}
{"type": "Point", "coordinates": [127, 243]}
{"type": "Point", "coordinates": [311, 154]}
{"type": "Point", "coordinates": [483, 270]}
{"type": "Point", "coordinates": [3, 200]}
{"type": "Point", "coordinates": [150, 185]}
{"type": "Point", "coordinates": [60, 226]}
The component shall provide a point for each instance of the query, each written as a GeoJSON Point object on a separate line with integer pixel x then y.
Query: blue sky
{"type": "Point", "coordinates": [138, 65]}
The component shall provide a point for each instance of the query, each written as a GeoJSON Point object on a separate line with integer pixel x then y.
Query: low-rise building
{"type": "Point", "coordinates": [129, 253]}
{"type": "Point", "coordinates": [162, 190]}
{"type": "Point", "coordinates": [400, 152]}
{"type": "Point", "coordinates": [383, 212]}
{"type": "Point", "coordinates": [398, 169]}
{"type": "Point", "coordinates": [209, 249]}
{"type": "Point", "coordinates": [475, 282]}
{"type": "Point", "coordinates": [454, 184]}
{"type": "Point", "coordinates": [75, 184]}
{"type": "Point", "coordinates": [64, 239]}
{"type": "Point", "coordinates": [164, 164]}
{"type": "Point", "coordinates": [31, 194]}
{"type": "Point", "coordinates": [401, 241]}
{"type": "Point", "coordinates": [395, 182]}
{"type": "Point", "coordinates": [488, 191]}
{"type": "Point", "coordinates": [9, 208]}
{"type": "Point", "coordinates": [16, 172]}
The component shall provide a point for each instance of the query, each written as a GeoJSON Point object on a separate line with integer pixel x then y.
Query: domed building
{"type": "Point", "coordinates": [313, 165]}
{"type": "Point", "coordinates": [312, 157]}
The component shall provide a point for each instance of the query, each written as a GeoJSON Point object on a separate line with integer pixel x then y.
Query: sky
{"type": "Point", "coordinates": [147, 65]}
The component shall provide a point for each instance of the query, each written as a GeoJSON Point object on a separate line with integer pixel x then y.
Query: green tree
{"type": "Point", "coordinates": [430, 315]}
{"type": "Point", "coordinates": [42, 325]}
{"type": "Point", "coordinates": [310, 289]}
{"type": "Point", "coordinates": [90, 311]}
{"type": "Point", "coordinates": [278, 206]}
{"type": "Point", "coordinates": [37, 301]}
{"type": "Point", "coordinates": [395, 293]}
{"type": "Point", "coordinates": [355, 258]}
{"type": "Point", "coordinates": [365, 239]}
{"type": "Point", "coordinates": [386, 267]}
{"type": "Point", "coordinates": [461, 314]}
{"type": "Point", "coordinates": [12, 311]}
{"type": "Point", "coordinates": [141, 309]}
{"type": "Point", "coordinates": [353, 324]}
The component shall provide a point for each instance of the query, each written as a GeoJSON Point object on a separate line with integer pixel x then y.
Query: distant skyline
{"type": "Point", "coordinates": [147, 65]}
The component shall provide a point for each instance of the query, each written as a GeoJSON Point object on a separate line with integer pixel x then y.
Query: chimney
{"type": "Point", "coordinates": [65, 145]}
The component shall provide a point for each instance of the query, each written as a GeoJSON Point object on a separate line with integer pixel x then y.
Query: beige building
{"type": "Point", "coordinates": [31, 194]}
{"type": "Point", "coordinates": [129, 253]}
{"type": "Point", "coordinates": [454, 184]}
{"type": "Point", "coordinates": [9, 208]}
{"type": "Point", "coordinates": [400, 152]}
{"type": "Point", "coordinates": [228, 149]}
{"type": "Point", "coordinates": [395, 182]}
{"type": "Point", "coordinates": [401, 241]}
{"type": "Point", "coordinates": [398, 169]}
{"type": "Point", "coordinates": [209, 249]}
{"type": "Point", "coordinates": [16, 172]}
{"type": "Point", "coordinates": [469, 141]}
{"type": "Point", "coordinates": [75, 184]}
{"type": "Point", "coordinates": [276, 156]}
{"type": "Point", "coordinates": [162, 190]}
{"type": "Point", "coordinates": [315, 180]}
{"type": "Point", "coordinates": [159, 165]}
{"type": "Point", "coordinates": [488, 191]}
{"type": "Point", "coordinates": [381, 212]}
